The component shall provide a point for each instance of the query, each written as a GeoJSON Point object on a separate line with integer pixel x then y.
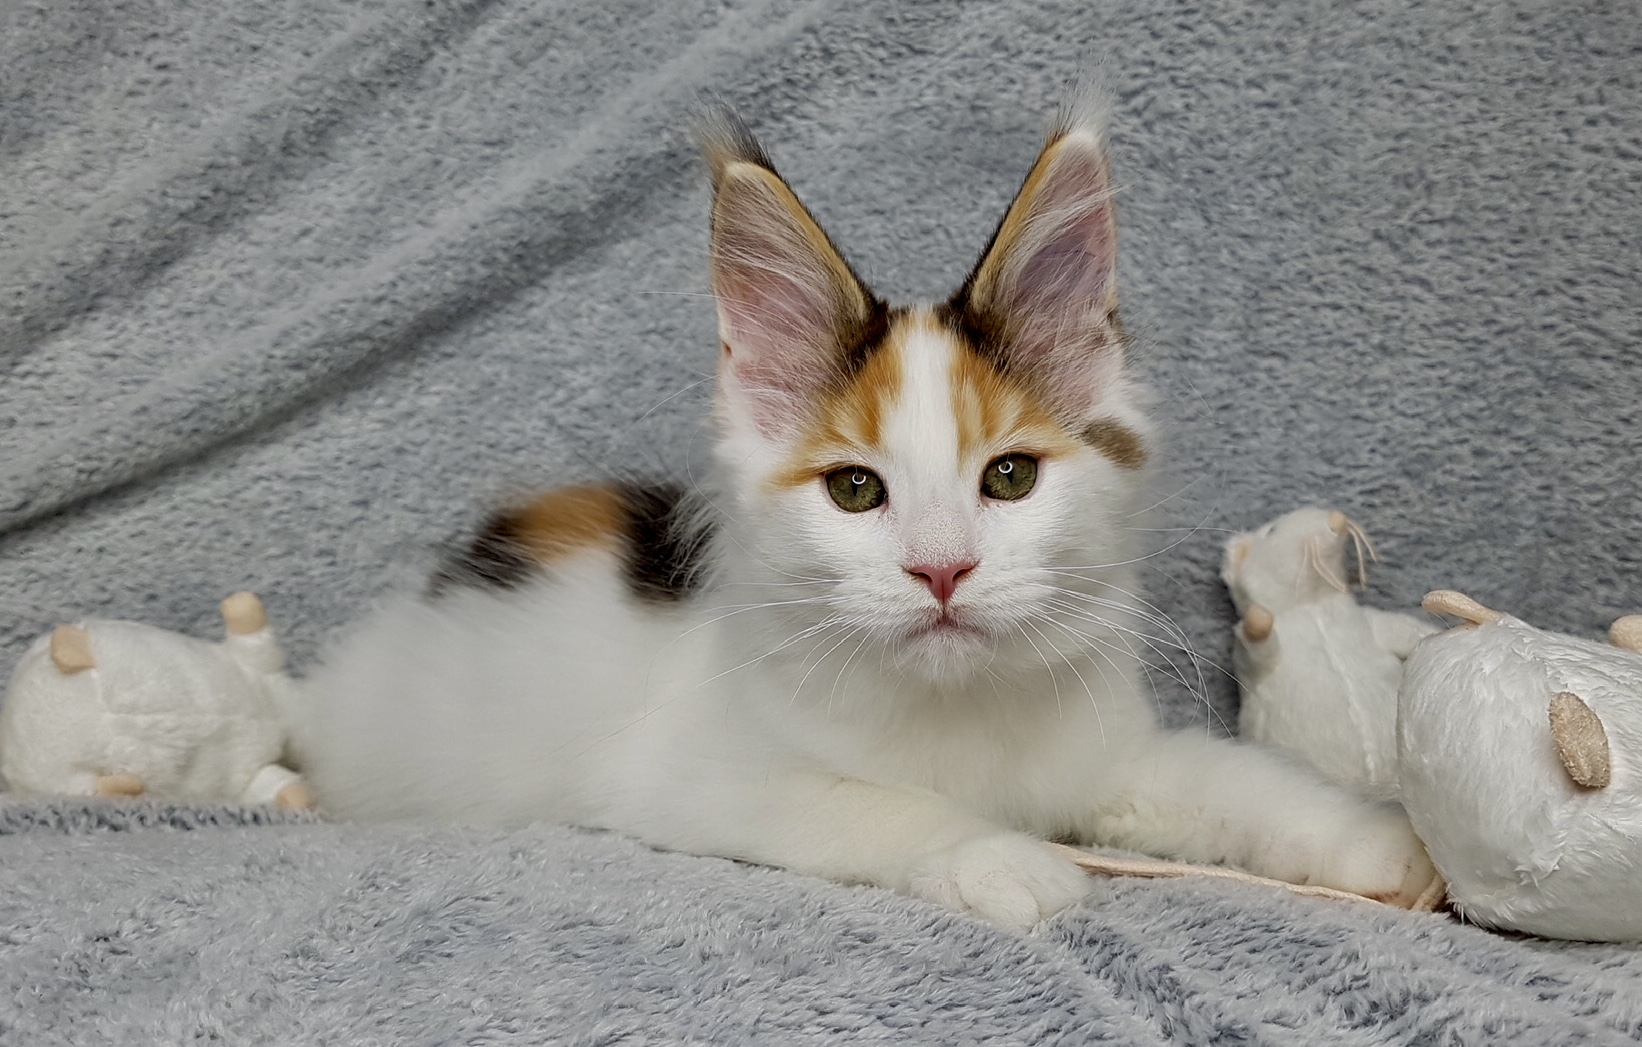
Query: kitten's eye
{"type": "Point", "coordinates": [1010, 477]}
{"type": "Point", "coordinates": [856, 489]}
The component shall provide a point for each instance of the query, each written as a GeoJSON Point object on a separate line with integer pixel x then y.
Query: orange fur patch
{"type": "Point", "coordinates": [569, 519]}
{"type": "Point", "coordinates": [851, 420]}
{"type": "Point", "coordinates": [995, 415]}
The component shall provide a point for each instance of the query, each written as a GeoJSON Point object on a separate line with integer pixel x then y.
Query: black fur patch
{"type": "Point", "coordinates": [981, 332]}
{"type": "Point", "coordinates": [662, 555]}
{"type": "Point", "coordinates": [859, 341]}
{"type": "Point", "coordinates": [494, 560]}
{"type": "Point", "coordinates": [663, 558]}
{"type": "Point", "coordinates": [979, 328]}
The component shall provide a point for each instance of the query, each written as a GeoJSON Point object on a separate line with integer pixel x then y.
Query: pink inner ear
{"type": "Point", "coordinates": [1055, 294]}
{"type": "Point", "coordinates": [769, 312]}
{"type": "Point", "coordinates": [1072, 272]}
{"type": "Point", "coordinates": [778, 319]}
{"type": "Point", "coordinates": [777, 329]}
{"type": "Point", "coordinates": [1062, 293]}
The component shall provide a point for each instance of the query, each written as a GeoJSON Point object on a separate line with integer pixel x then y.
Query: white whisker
{"type": "Point", "coordinates": [825, 654]}
{"type": "Point", "coordinates": [1046, 664]}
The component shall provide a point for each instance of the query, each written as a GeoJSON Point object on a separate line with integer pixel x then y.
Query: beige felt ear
{"type": "Point", "coordinates": [1626, 632]}
{"type": "Point", "coordinates": [243, 614]}
{"type": "Point", "coordinates": [1258, 624]}
{"type": "Point", "coordinates": [71, 649]}
{"type": "Point", "coordinates": [1581, 741]}
{"type": "Point", "coordinates": [1459, 605]}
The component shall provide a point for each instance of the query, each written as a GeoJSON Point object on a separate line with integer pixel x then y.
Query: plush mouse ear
{"type": "Point", "coordinates": [1043, 298]}
{"type": "Point", "coordinates": [1581, 741]}
{"type": "Point", "coordinates": [791, 312]}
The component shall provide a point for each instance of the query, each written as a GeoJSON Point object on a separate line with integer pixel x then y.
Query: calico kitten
{"type": "Point", "coordinates": [895, 646]}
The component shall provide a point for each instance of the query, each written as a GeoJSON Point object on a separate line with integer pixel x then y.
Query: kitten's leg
{"type": "Point", "coordinates": [1213, 800]}
{"type": "Point", "coordinates": [912, 841]}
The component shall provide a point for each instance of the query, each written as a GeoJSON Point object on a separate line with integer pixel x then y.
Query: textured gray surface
{"type": "Point", "coordinates": [287, 291]}
{"type": "Point", "coordinates": [304, 933]}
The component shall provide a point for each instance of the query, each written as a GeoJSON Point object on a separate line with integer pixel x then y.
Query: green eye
{"type": "Point", "coordinates": [856, 489]}
{"type": "Point", "coordinates": [1010, 477]}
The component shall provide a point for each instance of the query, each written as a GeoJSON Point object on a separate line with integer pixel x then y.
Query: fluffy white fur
{"type": "Point", "coordinates": [815, 709]}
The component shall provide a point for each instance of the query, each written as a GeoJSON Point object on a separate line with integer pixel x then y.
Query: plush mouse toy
{"type": "Point", "coordinates": [114, 708]}
{"type": "Point", "coordinates": [1521, 769]}
{"type": "Point", "coordinates": [1319, 672]}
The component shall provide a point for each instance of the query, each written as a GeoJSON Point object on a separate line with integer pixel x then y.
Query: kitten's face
{"type": "Point", "coordinates": [941, 483]}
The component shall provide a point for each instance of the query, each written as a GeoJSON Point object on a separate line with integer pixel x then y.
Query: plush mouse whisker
{"type": "Point", "coordinates": [1361, 544]}
{"type": "Point", "coordinates": [1314, 560]}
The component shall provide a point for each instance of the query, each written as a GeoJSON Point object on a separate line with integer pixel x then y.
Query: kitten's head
{"type": "Point", "coordinates": [945, 481]}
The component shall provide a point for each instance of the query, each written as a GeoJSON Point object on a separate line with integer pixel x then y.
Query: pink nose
{"type": "Point", "coordinates": [941, 578]}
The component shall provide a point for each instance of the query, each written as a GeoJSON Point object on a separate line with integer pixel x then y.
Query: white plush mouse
{"type": "Point", "coordinates": [115, 708]}
{"type": "Point", "coordinates": [1521, 756]}
{"type": "Point", "coordinates": [1319, 672]}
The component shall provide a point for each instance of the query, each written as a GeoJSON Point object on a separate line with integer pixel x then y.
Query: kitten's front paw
{"type": "Point", "coordinates": [1377, 857]}
{"type": "Point", "coordinates": [1006, 879]}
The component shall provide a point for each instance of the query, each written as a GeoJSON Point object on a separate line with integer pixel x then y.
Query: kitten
{"type": "Point", "coordinates": [896, 645]}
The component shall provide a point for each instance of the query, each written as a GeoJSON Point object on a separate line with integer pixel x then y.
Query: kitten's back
{"type": "Point", "coordinates": [508, 690]}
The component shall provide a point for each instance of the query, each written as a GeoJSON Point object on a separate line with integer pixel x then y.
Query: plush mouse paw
{"type": "Point", "coordinates": [1626, 632]}
{"type": "Point", "coordinates": [71, 650]}
{"type": "Point", "coordinates": [243, 614]}
{"type": "Point", "coordinates": [1006, 879]}
{"type": "Point", "coordinates": [119, 785]}
{"type": "Point", "coordinates": [1258, 624]}
{"type": "Point", "coordinates": [295, 797]}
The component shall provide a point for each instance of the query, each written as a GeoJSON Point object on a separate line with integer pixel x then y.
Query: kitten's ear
{"type": "Point", "coordinates": [1043, 298]}
{"type": "Point", "coordinates": [790, 310]}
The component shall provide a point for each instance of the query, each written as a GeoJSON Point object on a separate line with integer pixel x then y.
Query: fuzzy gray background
{"type": "Point", "coordinates": [290, 291]}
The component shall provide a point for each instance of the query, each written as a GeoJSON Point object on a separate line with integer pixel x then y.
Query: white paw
{"type": "Point", "coordinates": [1375, 855]}
{"type": "Point", "coordinates": [1006, 879]}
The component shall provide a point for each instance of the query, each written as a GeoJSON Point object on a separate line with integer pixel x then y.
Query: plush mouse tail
{"type": "Point", "coordinates": [1458, 605]}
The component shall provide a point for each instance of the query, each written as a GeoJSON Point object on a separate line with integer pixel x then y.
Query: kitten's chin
{"type": "Point", "coordinates": [945, 650]}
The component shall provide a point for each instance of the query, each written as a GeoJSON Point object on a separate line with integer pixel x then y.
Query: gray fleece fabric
{"type": "Point", "coordinates": [290, 291]}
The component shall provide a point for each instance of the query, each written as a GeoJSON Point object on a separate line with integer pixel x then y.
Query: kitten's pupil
{"type": "Point", "coordinates": [855, 490]}
{"type": "Point", "coordinates": [1010, 477]}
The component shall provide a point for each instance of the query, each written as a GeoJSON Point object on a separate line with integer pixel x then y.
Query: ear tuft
{"type": "Point", "coordinates": [725, 139]}
{"type": "Point", "coordinates": [1086, 110]}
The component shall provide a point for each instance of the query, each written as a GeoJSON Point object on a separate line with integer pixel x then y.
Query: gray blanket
{"type": "Point", "coordinates": [290, 291]}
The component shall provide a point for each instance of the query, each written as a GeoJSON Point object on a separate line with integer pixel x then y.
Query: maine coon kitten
{"type": "Point", "coordinates": [897, 644]}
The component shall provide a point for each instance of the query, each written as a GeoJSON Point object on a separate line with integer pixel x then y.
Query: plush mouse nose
{"type": "Point", "coordinates": [941, 578]}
